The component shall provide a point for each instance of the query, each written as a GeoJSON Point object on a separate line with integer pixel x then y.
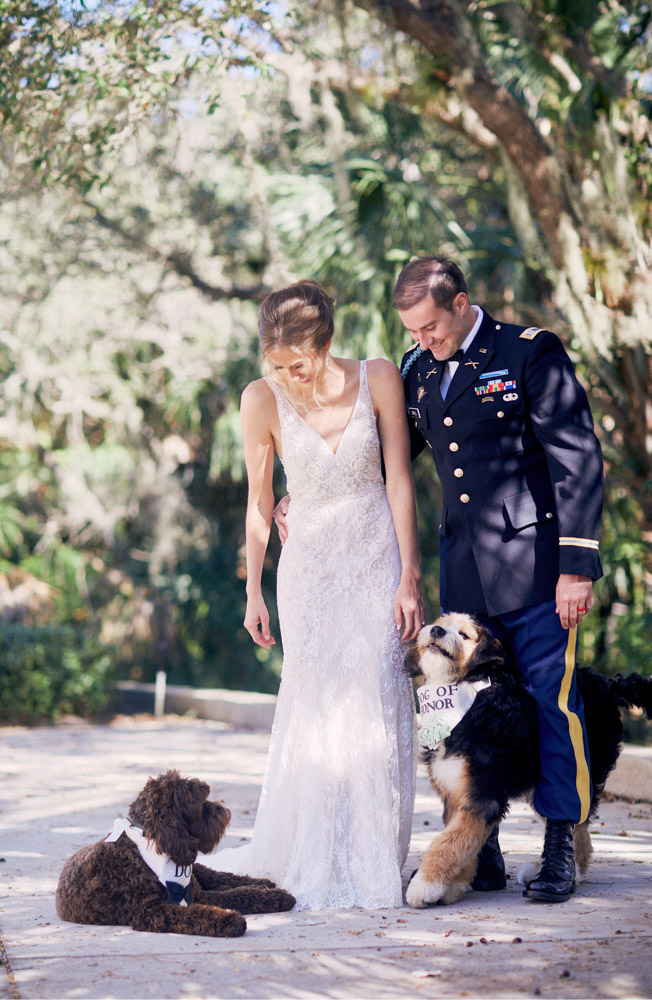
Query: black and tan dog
{"type": "Point", "coordinates": [144, 874]}
{"type": "Point", "coordinates": [492, 753]}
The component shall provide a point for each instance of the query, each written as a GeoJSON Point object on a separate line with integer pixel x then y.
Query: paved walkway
{"type": "Point", "coordinates": [62, 787]}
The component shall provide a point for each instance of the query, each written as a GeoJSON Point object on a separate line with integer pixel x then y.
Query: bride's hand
{"type": "Point", "coordinates": [409, 609]}
{"type": "Point", "coordinates": [279, 515]}
{"type": "Point", "coordinates": [258, 615]}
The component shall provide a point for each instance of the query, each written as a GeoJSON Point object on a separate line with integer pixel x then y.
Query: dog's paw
{"type": "Point", "coordinates": [282, 900]}
{"type": "Point", "coordinates": [231, 924]}
{"type": "Point", "coordinates": [420, 893]}
{"type": "Point", "coordinates": [527, 872]}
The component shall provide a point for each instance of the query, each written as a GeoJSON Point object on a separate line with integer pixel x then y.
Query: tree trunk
{"type": "Point", "coordinates": [586, 227]}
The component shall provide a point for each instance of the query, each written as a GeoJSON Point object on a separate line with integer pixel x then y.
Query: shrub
{"type": "Point", "coordinates": [48, 671]}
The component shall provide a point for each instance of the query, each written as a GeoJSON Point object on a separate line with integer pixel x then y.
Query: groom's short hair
{"type": "Point", "coordinates": [436, 276]}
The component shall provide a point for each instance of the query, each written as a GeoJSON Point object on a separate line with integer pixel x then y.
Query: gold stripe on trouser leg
{"type": "Point", "coordinates": [582, 777]}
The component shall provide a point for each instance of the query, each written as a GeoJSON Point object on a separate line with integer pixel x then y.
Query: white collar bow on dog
{"type": "Point", "coordinates": [174, 877]}
{"type": "Point", "coordinates": [442, 706]}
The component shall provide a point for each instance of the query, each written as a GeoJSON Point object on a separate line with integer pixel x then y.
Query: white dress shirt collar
{"type": "Point", "coordinates": [476, 326]}
{"type": "Point", "coordinates": [452, 366]}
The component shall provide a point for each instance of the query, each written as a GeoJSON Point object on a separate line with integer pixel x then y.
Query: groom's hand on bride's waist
{"type": "Point", "coordinates": [280, 513]}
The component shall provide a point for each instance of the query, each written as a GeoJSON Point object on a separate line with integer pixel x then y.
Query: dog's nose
{"type": "Point", "coordinates": [437, 631]}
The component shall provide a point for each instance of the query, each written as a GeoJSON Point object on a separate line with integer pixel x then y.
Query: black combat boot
{"type": "Point", "coordinates": [490, 873]}
{"type": "Point", "coordinates": [555, 880]}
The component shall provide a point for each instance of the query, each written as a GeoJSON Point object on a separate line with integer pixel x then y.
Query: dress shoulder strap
{"type": "Point", "coordinates": [270, 382]}
{"type": "Point", "coordinates": [364, 393]}
{"type": "Point", "coordinates": [282, 403]}
{"type": "Point", "coordinates": [286, 412]}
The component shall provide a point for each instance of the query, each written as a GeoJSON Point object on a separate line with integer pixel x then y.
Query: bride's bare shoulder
{"type": "Point", "coordinates": [257, 393]}
{"type": "Point", "coordinates": [257, 403]}
{"type": "Point", "coordinates": [382, 371]}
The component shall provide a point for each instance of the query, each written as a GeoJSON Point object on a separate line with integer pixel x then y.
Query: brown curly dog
{"type": "Point", "coordinates": [144, 875]}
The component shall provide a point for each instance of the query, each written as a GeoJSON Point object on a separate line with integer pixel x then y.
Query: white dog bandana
{"type": "Point", "coordinates": [174, 877]}
{"type": "Point", "coordinates": [442, 706]}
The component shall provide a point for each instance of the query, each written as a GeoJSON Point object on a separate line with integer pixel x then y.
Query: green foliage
{"type": "Point", "coordinates": [48, 671]}
{"type": "Point", "coordinates": [76, 80]}
{"type": "Point", "coordinates": [616, 636]}
{"type": "Point", "coordinates": [12, 521]}
{"type": "Point", "coordinates": [163, 166]}
{"type": "Point", "coordinates": [630, 645]}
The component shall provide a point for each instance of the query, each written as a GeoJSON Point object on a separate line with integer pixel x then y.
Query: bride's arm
{"type": "Point", "coordinates": [386, 390]}
{"type": "Point", "coordinates": [256, 416]}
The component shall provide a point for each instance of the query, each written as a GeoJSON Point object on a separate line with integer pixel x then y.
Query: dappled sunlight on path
{"type": "Point", "coordinates": [63, 786]}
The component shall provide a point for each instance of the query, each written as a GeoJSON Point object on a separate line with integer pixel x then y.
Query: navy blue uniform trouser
{"type": "Point", "coordinates": [545, 655]}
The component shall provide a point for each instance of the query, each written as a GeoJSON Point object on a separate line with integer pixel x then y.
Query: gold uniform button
{"type": "Point", "coordinates": [498, 326]}
{"type": "Point", "coordinates": [448, 421]}
{"type": "Point", "coordinates": [465, 497]}
{"type": "Point", "coordinates": [454, 446]}
{"type": "Point", "coordinates": [501, 413]}
{"type": "Point", "coordinates": [550, 515]}
{"type": "Point", "coordinates": [458, 473]}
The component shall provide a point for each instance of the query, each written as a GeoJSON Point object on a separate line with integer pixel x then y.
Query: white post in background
{"type": "Point", "coordinates": [159, 692]}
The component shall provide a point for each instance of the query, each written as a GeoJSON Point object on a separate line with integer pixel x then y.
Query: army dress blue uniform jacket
{"type": "Point", "coordinates": [519, 464]}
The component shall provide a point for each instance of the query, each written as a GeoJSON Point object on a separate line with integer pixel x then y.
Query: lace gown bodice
{"type": "Point", "coordinates": [334, 819]}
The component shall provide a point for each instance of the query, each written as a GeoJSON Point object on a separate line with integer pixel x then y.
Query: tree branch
{"type": "Point", "coordinates": [178, 261]}
{"type": "Point", "coordinates": [574, 49]}
{"type": "Point", "coordinates": [439, 26]}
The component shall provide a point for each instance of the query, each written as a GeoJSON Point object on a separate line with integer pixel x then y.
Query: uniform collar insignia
{"type": "Point", "coordinates": [478, 358]}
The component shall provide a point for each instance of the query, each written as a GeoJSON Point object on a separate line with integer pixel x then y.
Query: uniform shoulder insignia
{"type": "Point", "coordinates": [531, 332]}
{"type": "Point", "coordinates": [417, 352]}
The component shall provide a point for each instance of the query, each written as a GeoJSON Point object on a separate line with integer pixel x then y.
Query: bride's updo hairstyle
{"type": "Point", "coordinates": [298, 318]}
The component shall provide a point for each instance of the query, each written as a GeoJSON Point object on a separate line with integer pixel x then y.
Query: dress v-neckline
{"type": "Point", "coordinates": [348, 423]}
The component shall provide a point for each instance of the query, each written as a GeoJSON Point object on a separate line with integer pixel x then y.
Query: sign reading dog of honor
{"type": "Point", "coordinates": [441, 707]}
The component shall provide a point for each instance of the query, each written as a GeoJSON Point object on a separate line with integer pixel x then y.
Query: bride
{"type": "Point", "coordinates": [334, 818]}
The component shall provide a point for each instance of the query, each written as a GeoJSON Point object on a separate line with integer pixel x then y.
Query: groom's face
{"type": "Point", "coordinates": [439, 330]}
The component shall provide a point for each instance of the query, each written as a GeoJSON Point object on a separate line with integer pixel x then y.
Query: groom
{"type": "Point", "coordinates": [510, 431]}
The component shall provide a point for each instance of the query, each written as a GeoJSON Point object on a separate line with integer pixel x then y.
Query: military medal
{"type": "Point", "coordinates": [494, 385]}
{"type": "Point", "coordinates": [420, 393]}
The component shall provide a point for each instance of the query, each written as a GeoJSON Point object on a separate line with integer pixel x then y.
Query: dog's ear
{"type": "Point", "coordinates": [412, 661]}
{"type": "Point", "coordinates": [489, 654]}
{"type": "Point", "coordinates": [177, 845]}
{"type": "Point", "coordinates": [213, 821]}
{"type": "Point", "coordinates": [167, 810]}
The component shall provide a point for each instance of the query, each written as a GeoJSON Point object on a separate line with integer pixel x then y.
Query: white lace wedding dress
{"type": "Point", "coordinates": [334, 818]}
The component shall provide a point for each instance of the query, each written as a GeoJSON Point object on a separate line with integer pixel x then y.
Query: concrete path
{"type": "Point", "coordinates": [62, 788]}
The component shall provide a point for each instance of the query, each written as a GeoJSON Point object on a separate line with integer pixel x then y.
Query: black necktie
{"type": "Point", "coordinates": [459, 354]}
